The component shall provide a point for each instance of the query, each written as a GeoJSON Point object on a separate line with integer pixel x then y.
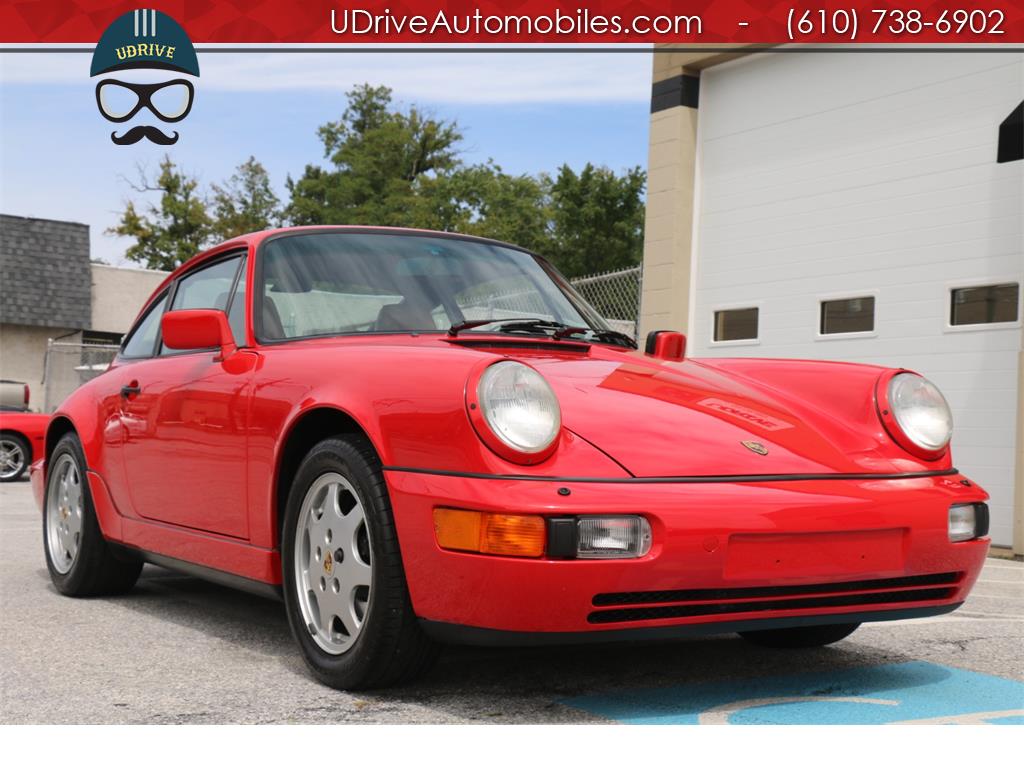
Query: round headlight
{"type": "Point", "coordinates": [519, 406]}
{"type": "Point", "coordinates": [921, 411]}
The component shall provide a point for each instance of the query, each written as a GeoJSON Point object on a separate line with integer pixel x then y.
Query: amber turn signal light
{"type": "Point", "coordinates": [490, 533]}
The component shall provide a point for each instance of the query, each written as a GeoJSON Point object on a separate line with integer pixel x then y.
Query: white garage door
{"type": "Point", "coordinates": [870, 177]}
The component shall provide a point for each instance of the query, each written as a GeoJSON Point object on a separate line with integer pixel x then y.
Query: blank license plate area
{"type": "Point", "coordinates": [798, 555]}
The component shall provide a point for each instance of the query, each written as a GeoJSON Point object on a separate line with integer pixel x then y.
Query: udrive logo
{"type": "Point", "coordinates": [146, 45]}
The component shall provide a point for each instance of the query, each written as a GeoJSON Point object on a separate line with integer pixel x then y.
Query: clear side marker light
{"type": "Point", "coordinates": [613, 536]}
{"type": "Point", "coordinates": [962, 522]}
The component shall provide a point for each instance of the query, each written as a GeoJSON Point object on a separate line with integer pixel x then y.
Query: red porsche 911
{"type": "Point", "coordinates": [21, 438]}
{"type": "Point", "coordinates": [417, 437]}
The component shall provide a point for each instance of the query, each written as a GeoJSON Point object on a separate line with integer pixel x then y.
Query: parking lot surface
{"type": "Point", "coordinates": [180, 650]}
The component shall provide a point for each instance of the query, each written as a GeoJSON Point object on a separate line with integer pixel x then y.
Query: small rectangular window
{"type": "Point", "coordinates": [848, 315]}
{"type": "Point", "coordinates": [981, 304]}
{"type": "Point", "coordinates": [736, 324]}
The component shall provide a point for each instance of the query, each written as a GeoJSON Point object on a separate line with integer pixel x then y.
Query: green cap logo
{"type": "Point", "coordinates": [144, 39]}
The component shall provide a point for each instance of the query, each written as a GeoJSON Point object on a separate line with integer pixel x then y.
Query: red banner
{"type": "Point", "coordinates": [546, 22]}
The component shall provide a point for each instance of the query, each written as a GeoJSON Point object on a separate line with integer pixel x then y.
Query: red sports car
{"type": "Point", "coordinates": [21, 439]}
{"type": "Point", "coordinates": [416, 436]}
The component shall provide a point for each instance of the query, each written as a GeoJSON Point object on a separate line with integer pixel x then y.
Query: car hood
{"type": "Point", "coordinates": [713, 418]}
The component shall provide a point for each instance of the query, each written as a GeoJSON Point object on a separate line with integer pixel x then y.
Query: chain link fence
{"type": "Point", "coordinates": [69, 365]}
{"type": "Point", "coordinates": [615, 295]}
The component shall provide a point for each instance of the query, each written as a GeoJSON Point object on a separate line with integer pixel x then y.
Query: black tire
{"type": "Point", "coordinates": [800, 637]}
{"type": "Point", "coordinates": [96, 570]}
{"type": "Point", "coordinates": [391, 647]}
{"type": "Point", "coordinates": [10, 474]}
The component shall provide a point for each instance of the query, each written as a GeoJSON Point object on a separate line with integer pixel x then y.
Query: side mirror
{"type": "Point", "coordinates": [667, 345]}
{"type": "Point", "coordinates": [198, 329]}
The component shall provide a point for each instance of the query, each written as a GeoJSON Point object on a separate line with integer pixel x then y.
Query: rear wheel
{"type": "Point", "coordinates": [800, 637]}
{"type": "Point", "coordinates": [14, 456]}
{"type": "Point", "coordinates": [344, 585]}
{"type": "Point", "coordinates": [80, 562]}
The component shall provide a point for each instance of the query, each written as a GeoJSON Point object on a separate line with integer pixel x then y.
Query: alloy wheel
{"type": "Point", "coordinates": [333, 574]}
{"type": "Point", "coordinates": [64, 513]}
{"type": "Point", "coordinates": [12, 459]}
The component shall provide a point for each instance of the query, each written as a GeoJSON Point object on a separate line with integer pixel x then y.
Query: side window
{"type": "Point", "coordinates": [206, 288]}
{"type": "Point", "coordinates": [142, 338]}
{"type": "Point", "coordinates": [236, 312]}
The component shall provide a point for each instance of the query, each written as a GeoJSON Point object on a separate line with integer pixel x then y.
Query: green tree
{"type": "Point", "coordinates": [377, 158]}
{"type": "Point", "coordinates": [245, 202]}
{"type": "Point", "coordinates": [169, 233]}
{"type": "Point", "coordinates": [597, 219]}
{"type": "Point", "coordinates": [389, 167]}
{"type": "Point", "coordinates": [488, 202]}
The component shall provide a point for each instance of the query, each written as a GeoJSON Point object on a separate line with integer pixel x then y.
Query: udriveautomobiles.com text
{"type": "Point", "coordinates": [582, 22]}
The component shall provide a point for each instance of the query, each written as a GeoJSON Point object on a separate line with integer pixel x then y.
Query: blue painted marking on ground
{"type": "Point", "coordinates": [1013, 720]}
{"type": "Point", "coordinates": [890, 693]}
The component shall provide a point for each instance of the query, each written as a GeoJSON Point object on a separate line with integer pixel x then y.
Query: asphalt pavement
{"type": "Point", "coordinates": [180, 650]}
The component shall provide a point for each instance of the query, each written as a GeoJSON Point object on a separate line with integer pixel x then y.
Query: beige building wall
{"type": "Point", "coordinates": [118, 294]}
{"type": "Point", "coordinates": [23, 355]}
{"type": "Point", "coordinates": [668, 226]}
{"type": "Point", "coordinates": [671, 177]}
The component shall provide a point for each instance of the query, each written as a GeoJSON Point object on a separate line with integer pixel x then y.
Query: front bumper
{"type": "Point", "coordinates": [725, 557]}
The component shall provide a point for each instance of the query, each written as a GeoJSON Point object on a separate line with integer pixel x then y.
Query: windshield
{"type": "Point", "coordinates": [331, 283]}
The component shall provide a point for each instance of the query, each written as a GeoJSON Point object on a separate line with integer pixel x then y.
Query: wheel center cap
{"type": "Point", "coordinates": [328, 563]}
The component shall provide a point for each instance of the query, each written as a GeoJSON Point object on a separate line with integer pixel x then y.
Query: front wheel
{"type": "Point", "coordinates": [344, 586]}
{"type": "Point", "coordinates": [800, 637]}
{"type": "Point", "coordinates": [80, 562]}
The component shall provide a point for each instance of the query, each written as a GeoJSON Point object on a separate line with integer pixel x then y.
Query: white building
{"type": "Point", "coordinates": [851, 206]}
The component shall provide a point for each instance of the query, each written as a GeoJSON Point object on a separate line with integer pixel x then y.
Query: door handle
{"type": "Point", "coordinates": [130, 389]}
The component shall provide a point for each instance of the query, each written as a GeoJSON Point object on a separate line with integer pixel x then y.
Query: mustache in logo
{"type": "Point", "coordinates": [140, 132]}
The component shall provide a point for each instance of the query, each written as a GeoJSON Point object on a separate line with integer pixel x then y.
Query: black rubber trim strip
{"type": "Point", "coordinates": [461, 634]}
{"type": "Point", "coordinates": [683, 478]}
{"type": "Point", "coordinates": [1011, 136]}
{"type": "Point", "coordinates": [678, 91]}
{"type": "Point", "coordinates": [981, 519]}
{"type": "Point", "coordinates": [225, 579]}
{"type": "Point", "coordinates": [739, 593]}
{"type": "Point", "coordinates": [657, 612]}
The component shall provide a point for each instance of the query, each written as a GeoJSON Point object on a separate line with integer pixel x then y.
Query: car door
{"type": "Point", "coordinates": [185, 416]}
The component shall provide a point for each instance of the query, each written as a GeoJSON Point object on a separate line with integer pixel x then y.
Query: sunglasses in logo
{"type": "Point", "coordinates": [119, 101]}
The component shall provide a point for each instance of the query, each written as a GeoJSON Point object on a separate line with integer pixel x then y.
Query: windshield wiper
{"type": "Point", "coordinates": [511, 322]}
{"type": "Point", "coordinates": [615, 337]}
{"type": "Point", "coordinates": [560, 330]}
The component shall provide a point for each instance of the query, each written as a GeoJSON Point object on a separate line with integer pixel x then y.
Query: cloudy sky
{"type": "Point", "coordinates": [530, 112]}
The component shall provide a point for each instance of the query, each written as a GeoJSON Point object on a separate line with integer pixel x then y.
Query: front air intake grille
{"type": "Point", "coordinates": [714, 602]}
{"type": "Point", "coordinates": [744, 593]}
